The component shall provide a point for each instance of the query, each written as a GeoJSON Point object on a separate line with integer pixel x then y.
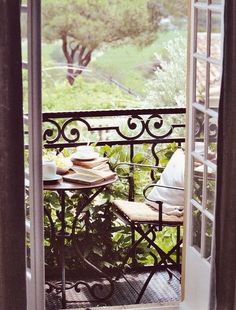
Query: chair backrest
{"type": "Point", "coordinates": [172, 176]}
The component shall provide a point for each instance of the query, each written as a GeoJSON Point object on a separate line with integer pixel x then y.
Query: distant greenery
{"type": "Point", "coordinates": [83, 95]}
{"type": "Point", "coordinates": [168, 85]}
{"type": "Point", "coordinates": [130, 65]}
{"type": "Point", "coordinates": [83, 26]}
{"type": "Point", "coordinates": [133, 65]}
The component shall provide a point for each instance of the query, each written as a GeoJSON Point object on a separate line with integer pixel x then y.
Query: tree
{"type": "Point", "coordinates": [85, 25]}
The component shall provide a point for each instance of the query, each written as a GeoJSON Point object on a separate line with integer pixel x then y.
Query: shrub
{"type": "Point", "coordinates": [167, 88]}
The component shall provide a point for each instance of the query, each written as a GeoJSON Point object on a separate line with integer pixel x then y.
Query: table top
{"type": "Point", "coordinates": [64, 185]}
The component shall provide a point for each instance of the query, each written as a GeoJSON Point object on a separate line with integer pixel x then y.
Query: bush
{"type": "Point", "coordinates": [167, 88]}
{"type": "Point", "coordinates": [85, 94]}
{"type": "Point", "coordinates": [102, 238]}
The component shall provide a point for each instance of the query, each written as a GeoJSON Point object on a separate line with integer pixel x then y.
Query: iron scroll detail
{"type": "Point", "coordinates": [68, 129]}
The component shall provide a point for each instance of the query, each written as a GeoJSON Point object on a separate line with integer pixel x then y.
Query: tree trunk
{"type": "Point", "coordinates": [77, 58]}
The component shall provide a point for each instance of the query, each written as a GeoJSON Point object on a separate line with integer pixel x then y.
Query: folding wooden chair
{"type": "Point", "coordinates": [146, 220]}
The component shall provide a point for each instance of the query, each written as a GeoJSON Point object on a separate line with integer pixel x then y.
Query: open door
{"type": "Point", "coordinates": [204, 92]}
{"type": "Point", "coordinates": [31, 45]}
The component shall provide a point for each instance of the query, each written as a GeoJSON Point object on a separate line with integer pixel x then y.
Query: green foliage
{"type": "Point", "coordinates": [82, 95]}
{"type": "Point", "coordinates": [92, 22]}
{"type": "Point", "coordinates": [130, 64]}
{"type": "Point", "coordinates": [167, 88]}
{"type": "Point", "coordinates": [102, 238]}
{"type": "Point", "coordinates": [89, 24]}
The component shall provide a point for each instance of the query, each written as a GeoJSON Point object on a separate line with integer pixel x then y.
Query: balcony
{"type": "Point", "coordinates": [142, 136]}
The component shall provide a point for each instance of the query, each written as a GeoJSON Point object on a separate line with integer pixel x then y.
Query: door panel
{"type": "Point", "coordinates": [31, 42]}
{"type": "Point", "coordinates": [204, 91]}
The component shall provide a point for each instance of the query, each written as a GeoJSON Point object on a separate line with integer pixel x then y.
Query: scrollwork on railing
{"type": "Point", "coordinates": [132, 124]}
{"type": "Point", "coordinates": [53, 133]}
{"type": "Point", "coordinates": [108, 127]}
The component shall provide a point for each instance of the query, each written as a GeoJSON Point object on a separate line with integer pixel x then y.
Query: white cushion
{"type": "Point", "coordinates": [173, 175]}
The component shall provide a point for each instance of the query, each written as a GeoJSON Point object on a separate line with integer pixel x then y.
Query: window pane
{"type": "Point", "coordinates": [198, 171]}
{"type": "Point", "coordinates": [28, 251]}
{"type": "Point", "coordinates": [25, 90]}
{"type": "Point", "coordinates": [196, 232]}
{"type": "Point", "coordinates": [208, 238]}
{"type": "Point", "coordinates": [201, 19]}
{"type": "Point", "coordinates": [198, 146]}
{"type": "Point", "coordinates": [200, 96]}
{"type": "Point", "coordinates": [215, 44]}
{"type": "Point", "coordinates": [216, 1]}
{"type": "Point", "coordinates": [214, 87]}
{"type": "Point", "coordinates": [24, 41]}
{"type": "Point", "coordinates": [212, 139]}
{"type": "Point", "coordinates": [210, 190]}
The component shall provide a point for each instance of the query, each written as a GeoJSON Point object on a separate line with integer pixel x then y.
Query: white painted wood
{"type": "Point", "coordinates": [34, 224]}
{"type": "Point", "coordinates": [197, 268]}
{"type": "Point", "coordinates": [197, 284]}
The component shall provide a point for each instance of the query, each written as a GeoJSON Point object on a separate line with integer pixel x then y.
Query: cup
{"type": "Point", "coordinates": [85, 149]}
{"type": "Point", "coordinates": [49, 169]}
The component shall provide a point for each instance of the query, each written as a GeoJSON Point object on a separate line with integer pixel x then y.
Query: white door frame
{"type": "Point", "coordinates": [197, 261]}
{"type": "Point", "coordinates": [33, 123]}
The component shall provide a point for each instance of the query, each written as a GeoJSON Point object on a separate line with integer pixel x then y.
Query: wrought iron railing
{"type": "Point", "coordinates": [131, 129]}
{"type": "Point", "coordinates": [127, 127]}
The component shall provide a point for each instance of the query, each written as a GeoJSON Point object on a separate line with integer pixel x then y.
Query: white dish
{"type": "Point", "coordinates": [85, 156]}
{"type": "Point", "coordinates": [54, 178]}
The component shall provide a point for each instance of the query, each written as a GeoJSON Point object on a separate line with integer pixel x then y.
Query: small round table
{"type": "Point", "coordinates": [61, 187]}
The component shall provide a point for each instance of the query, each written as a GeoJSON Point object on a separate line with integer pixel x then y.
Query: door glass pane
{"type": "Point", "coordinates": [201, 20]}
{"type": "Point", "coordinates": [25, 90]}
{"type": "Point", "coordinates": [208, 238]}
{"type": "Point", "coordinates": [24, 40]}
{"type": "Point", "coordinates": [28, 254]}
{"type": "Point", "coordinates": [212, 138]}
{"type": "Point", "coordinates": [210, 190]}
{"type": "Point", "coordinates": [198, 146]}
{"type": "Point", "coordinates": [198, 171]}
{"type": "Point", "coordinates": [200, 96]}
{"type": "Point", "coordinates": [216, 1]}
{"type": "Point", "coordinates": [214, 87]}
{"type": "Point", "coordinates": [196, 228]}
{"type": "Point", "coordinates": [215, 43]}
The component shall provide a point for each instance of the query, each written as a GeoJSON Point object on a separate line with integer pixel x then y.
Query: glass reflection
{"type": "Point", "coordinates": [28, 251]}
{"type": "Point", "coordinates": [215, 43]}
{"type": "Point", "coordinates": [212, 139]}
{"type": "Point", "coordinates": [201, 18]}
{"type": "Point", "coordinates": [208, 238]}
{"type": "Point", "coordinates": [24, 40]}
{"type": "Point", "coordinates": [196, 232]}
{"type": "Point", "coordinates": [198, 146]}
{"type": "Point", "coordinates": [197, 189]}
{"type": "Point", "coordinates": [200, 96]}
{"type": "Point", "coordinates": [216, 1]}
{"type": "Point", "coordinates": [210, 190]}
{"type": "Point", "coordinates": [215, 85]}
